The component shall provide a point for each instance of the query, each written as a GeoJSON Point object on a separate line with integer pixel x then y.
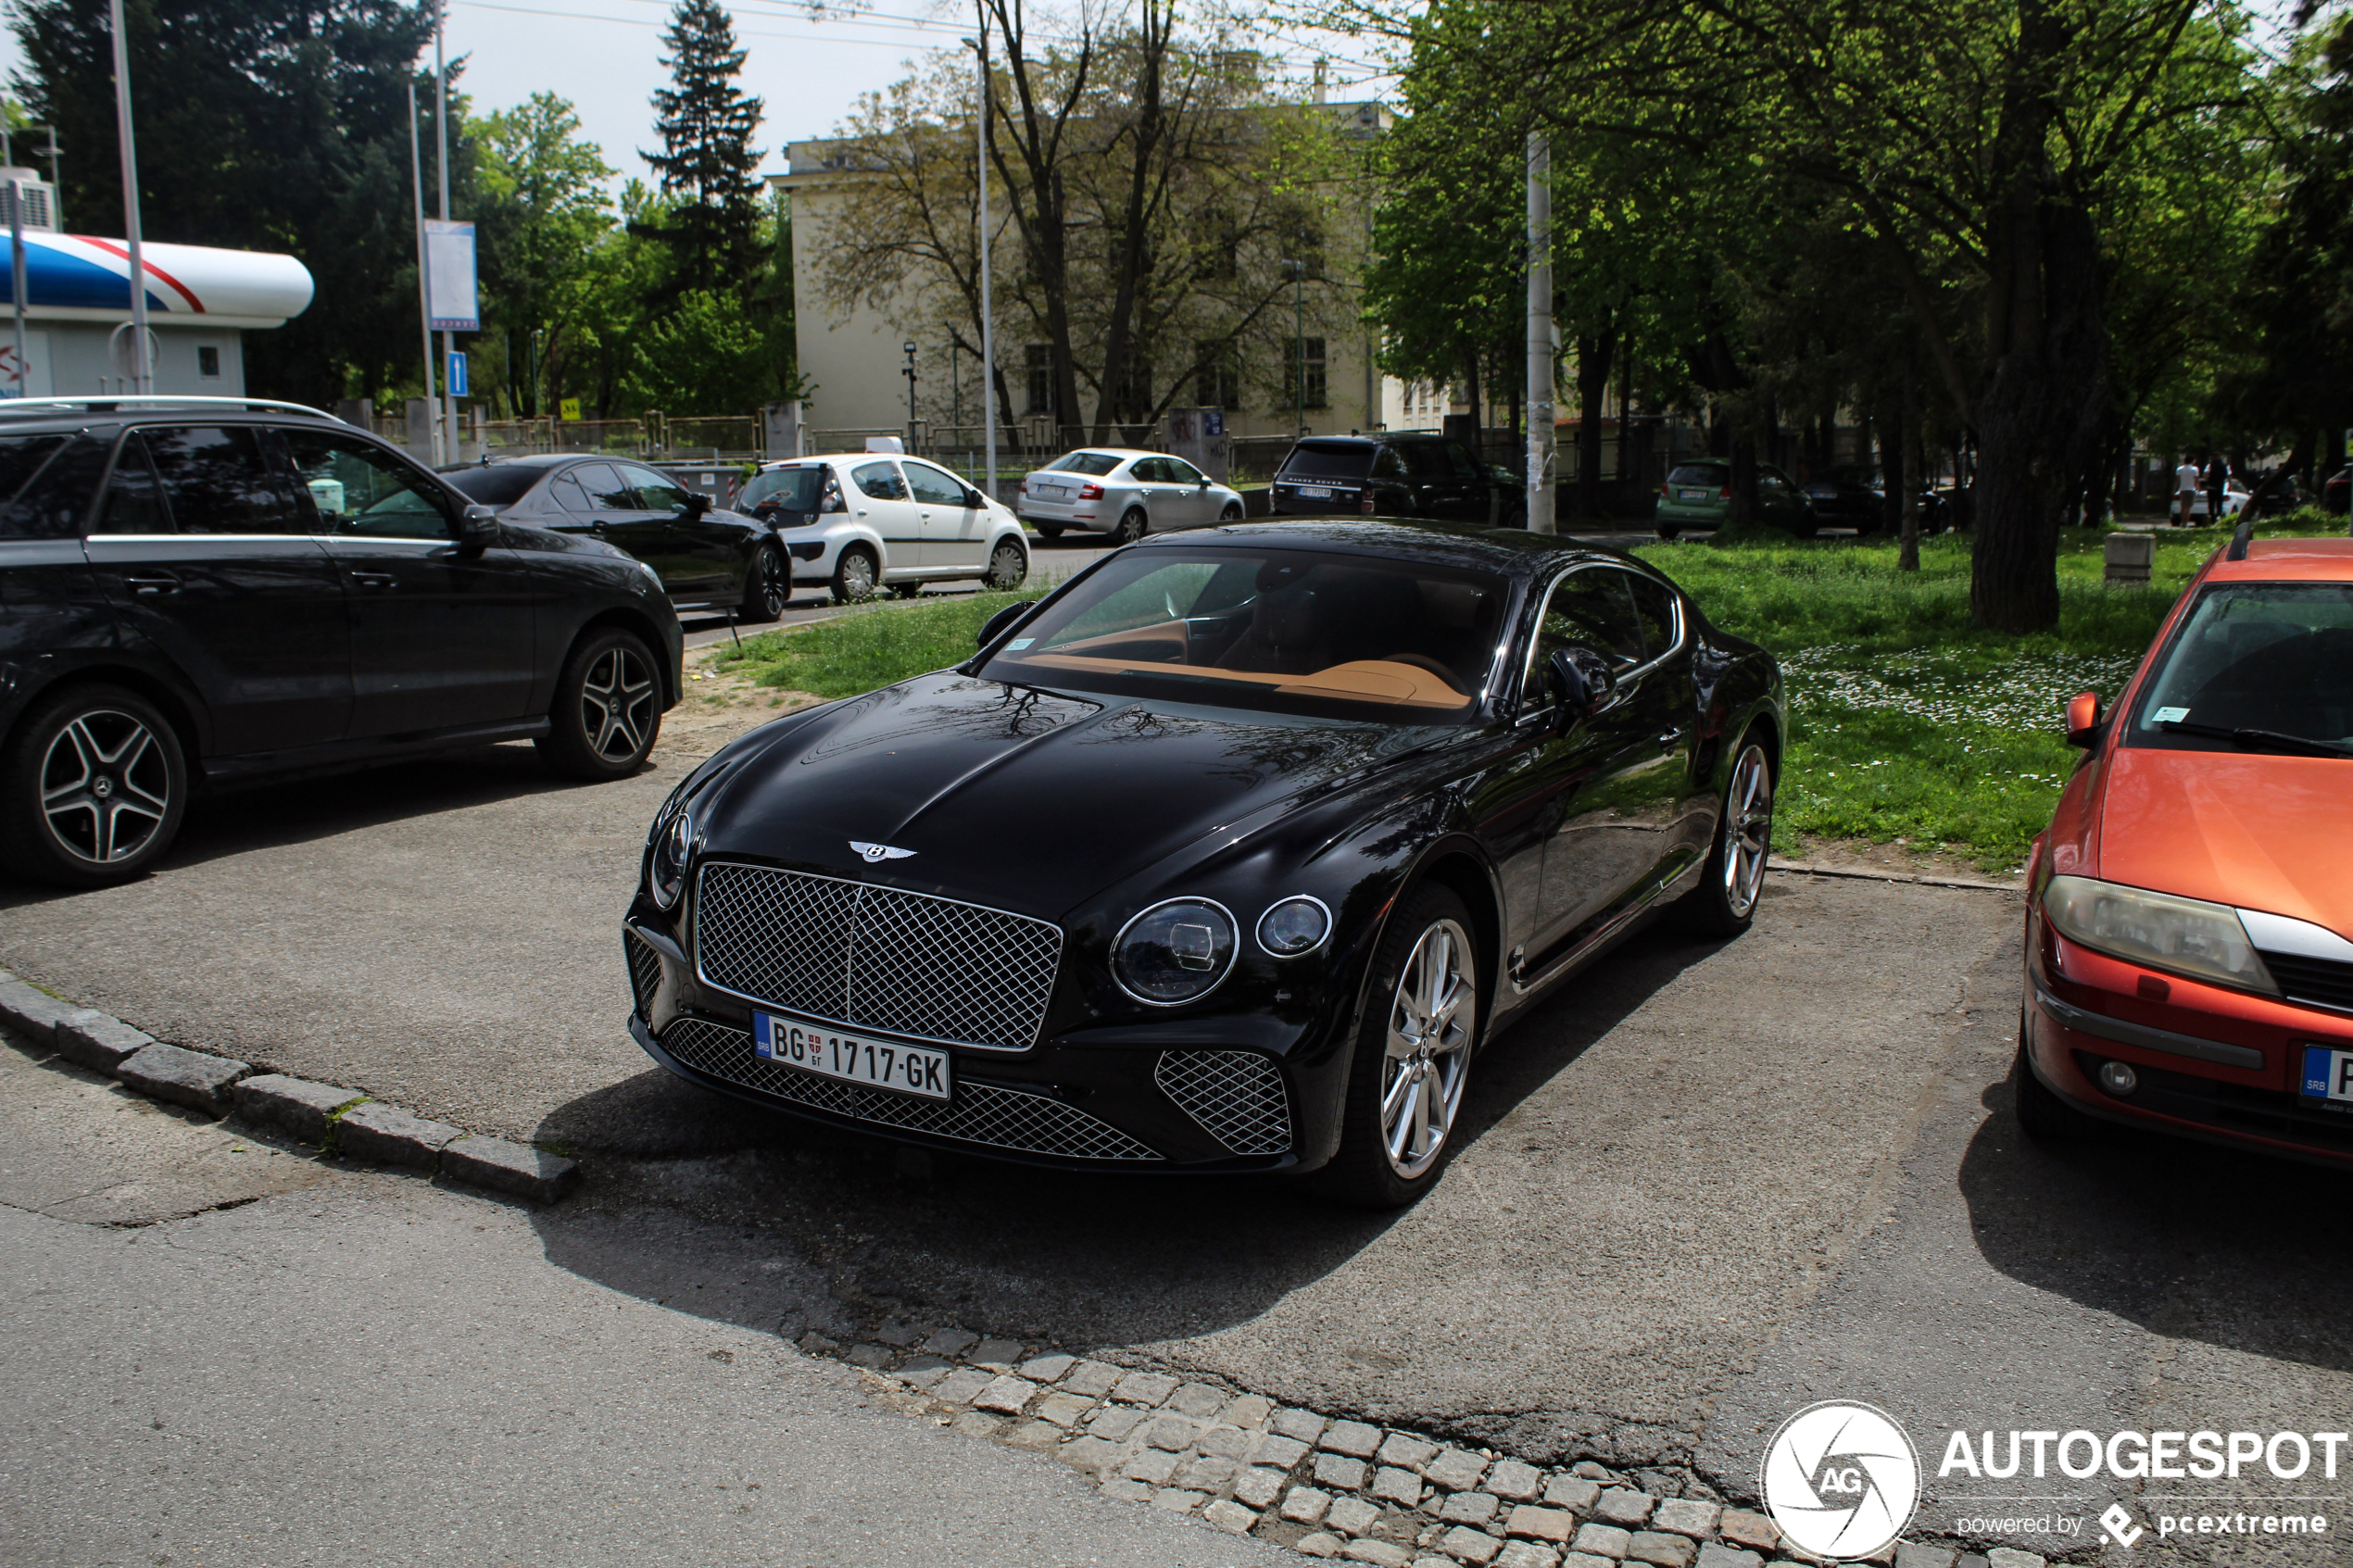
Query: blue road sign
{"type": "Point", "coordinates": [458, 375]}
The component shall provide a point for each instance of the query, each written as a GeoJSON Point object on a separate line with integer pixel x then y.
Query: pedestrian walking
{"type": "Point", "coordinates": [2185, 492]}
{"type": "Point", "coordinates": [2218, 484]}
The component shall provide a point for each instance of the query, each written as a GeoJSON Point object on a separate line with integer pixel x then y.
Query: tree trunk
{"type": "Point", "coordinates": [1742, 510]}
{"type": "Point", "coordinates": [1893, 444]}
{"type": "Point", "coordinates": [1593, 356]}
{"type": "Point", "coordinates": [1908, 475]}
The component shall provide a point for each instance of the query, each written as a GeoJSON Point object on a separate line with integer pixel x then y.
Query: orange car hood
{"type": "Point", "coordinates": [2244, 828]}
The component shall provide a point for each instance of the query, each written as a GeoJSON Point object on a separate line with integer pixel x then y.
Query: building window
{"type": "Point", "coordinates": [1219, 384]}
{"type": "Point", "coordinates": [1303, 371]}
{"type": "Point", "coordinates": [209, 362]}
{"type": "Point", "coordinates": [1039, 359]}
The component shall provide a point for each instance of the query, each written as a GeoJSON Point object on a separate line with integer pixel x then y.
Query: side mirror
{"type": "Point", "coordinates": [974, 498]}
{"type": "Point", "coordinates": [477, 529]}
{"type": "Point", "coordinates": [1204, 482]}
{"type": "Point", "coordinates": [2085, 720]}
{"type": "Point", "coordinates": [998, 624]}
{"type": "Point", "coordinates": [1576, 678]}
{"type": "Point", "coordinates": [697, 505]}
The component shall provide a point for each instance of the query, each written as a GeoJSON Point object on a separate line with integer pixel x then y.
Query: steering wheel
{"type": "Point", "coordinates": [1423, 662]}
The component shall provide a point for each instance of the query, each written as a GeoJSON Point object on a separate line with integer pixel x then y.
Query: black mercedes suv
{"type": "Point", "coordinates": [1394, 474]}
{"type": "Point", "coordinates": [201, 591]}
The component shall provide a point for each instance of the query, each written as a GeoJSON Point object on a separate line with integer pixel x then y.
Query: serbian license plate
{"type": "Point", "coordinates": [2328, 1076]}
{"type": "Point", "coordinates": [1054, 490]}
{"type": "Point", "coordinates": [1321, 492]}
{"type": "Point", "coordinates": [1690, 494]}
{"type": "Point", "coordinates": [882, 1064]}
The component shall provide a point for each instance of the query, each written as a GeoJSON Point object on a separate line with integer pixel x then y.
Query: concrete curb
{"type": "Point", "coordinates": [339, 1121]}
{"type": "Point", "coordinates": [1864, 874]}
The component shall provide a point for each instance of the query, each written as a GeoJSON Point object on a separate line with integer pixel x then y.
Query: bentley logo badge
{"type": "Point", "coordinates": [878, 852]}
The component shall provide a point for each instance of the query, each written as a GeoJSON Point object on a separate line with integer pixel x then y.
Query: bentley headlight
{"type": "Point", "coordinates": [666, 861]}
{"type": "Point", "coordinates": [2186, 935]}
{"type": "Point", "coordinates": [1294, 926]}
{"type": "Point", "coordinates": [1174, 952]}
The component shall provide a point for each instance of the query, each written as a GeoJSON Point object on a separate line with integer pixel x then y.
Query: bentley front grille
{"type": "Point", "coordinates": [1238, 1096]}
{"type": "Point", "coordinates": [980, 1113]}
{"type": "Point", "coordinates": [905, 963]}
{"type": "Point", "coordinates": [645, 972]}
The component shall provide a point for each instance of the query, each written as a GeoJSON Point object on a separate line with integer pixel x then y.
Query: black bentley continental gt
{"type": "Point", "coordinates": [1229, 855]}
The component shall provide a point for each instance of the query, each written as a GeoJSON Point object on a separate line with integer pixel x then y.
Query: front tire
{"type": "Point", "coordinates": [855, 575]}
{"type": "Point", "coordinates": [1412, 1057]}
{"type": "Point", "coordinates": [1668, 530]}
{"type": "Point", "coordinates": [1048, 530]}
{"type": "Point", "coordinates": [1132, 527]}
{"type": "Point", "coordinates": [608, 710]}
{"type": "Point", "coordinates": [1232, 515]}
{"type": "Point", "coordinates": [1724, 904]}
{"type": "Point", "coordinates": [767, 587]}
{"type": "Point", "coordinates": [93, 790]}
{"type": "Point", "coordinates": [1008, 567]}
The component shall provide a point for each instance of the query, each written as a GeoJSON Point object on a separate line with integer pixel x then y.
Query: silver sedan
{"type": "Point", "coordinates": [1124, 493]}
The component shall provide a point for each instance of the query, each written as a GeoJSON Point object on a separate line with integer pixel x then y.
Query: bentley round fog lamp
{"type": "Point", "coordinates": [1174, 952]}
{"type": "Point", "coordinates": [2118, 1078]}
{"type": "Point", "coordinates": [666, 866]}
{"type": "Point", "coordinates": [1296, 925]}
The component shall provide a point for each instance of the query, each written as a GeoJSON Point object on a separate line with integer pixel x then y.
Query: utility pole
{"type": "Point", "coordinates": [143, 372]}
{"type": "Point", "coordinates": [979, 47]}
{"type": "Point", "coordinates": [441, 129]}
{"type": "Point", "coordinates": [1541, 447]}
{"type": "Point", "coordinates": [1298, 344]}
{"type": "Point", "coordinates": [16, 271]}
{"type": "Point", "coordinates": [909, 350]}
{"type": "Point", "coordinates": [424, 300]}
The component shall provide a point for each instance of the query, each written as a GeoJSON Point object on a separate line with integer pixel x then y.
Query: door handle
{"type": "Point", "coordinates": [374, 579]}
{"type": "Point", "coordinates": [148, 587]}
{"type": "Point", "coordinates": [597, 527]}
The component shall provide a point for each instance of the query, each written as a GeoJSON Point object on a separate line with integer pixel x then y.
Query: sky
{"type": "Point", "coordinates": [810, 63]}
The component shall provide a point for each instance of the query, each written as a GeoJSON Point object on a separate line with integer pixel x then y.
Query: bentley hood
{"type": "Point", "coordinates": [2249, 828]}
{"type": "Point", "coordinates": [1020, 798]}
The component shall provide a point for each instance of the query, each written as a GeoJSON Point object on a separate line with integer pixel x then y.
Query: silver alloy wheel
{"type": "Point", "coordinates": [775, 582]}
{"type": "Point", "coordinates": [857, 572]}
{"type": "Point", "coordinates": [1433, 1020]}
{"type": "Point", "coordinates": [1005, 568]}
{"type": "Point", "coordinates": [1748, 828]}
{"type": "Point", "coordinates": [106, 787]}
{"type": "Point", "coordinates": [1132, 527]}
{"type": "Point", "coordinates": [617, 704]}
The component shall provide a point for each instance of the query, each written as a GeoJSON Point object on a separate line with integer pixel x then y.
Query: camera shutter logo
{"type": "Point", "coordinates": [1841, 1479]}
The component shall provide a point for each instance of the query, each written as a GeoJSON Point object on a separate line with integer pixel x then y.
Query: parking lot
{"type": "Point", "coordinates": [1707, 1184]}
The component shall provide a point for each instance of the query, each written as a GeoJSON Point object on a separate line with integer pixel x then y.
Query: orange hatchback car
{"type": "Point", "coordinates": [2189, 928]}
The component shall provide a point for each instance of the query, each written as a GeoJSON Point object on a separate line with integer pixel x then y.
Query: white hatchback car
{"type": "Point", "coordinates": [1124, 493]}
{"type": "Point", "coordinates": [865, 520]}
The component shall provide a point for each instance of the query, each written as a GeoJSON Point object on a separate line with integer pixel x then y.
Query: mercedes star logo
{"type": "Point", "coordinates": [878, 852]}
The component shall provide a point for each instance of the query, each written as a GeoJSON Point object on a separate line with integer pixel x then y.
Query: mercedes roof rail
{"type": "Point", "coordinates": [108, 403]}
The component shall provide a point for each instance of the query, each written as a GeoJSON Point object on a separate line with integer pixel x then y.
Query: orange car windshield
{"type": "Point", "coordinates": [2256, 664]}
{"type": "Point", "coordinates": [1278, 630]}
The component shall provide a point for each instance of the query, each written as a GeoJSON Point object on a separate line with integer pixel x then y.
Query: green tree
{"type": "Point", "coordinates": [705, 355]}
{"type": "Point", "coordinates": [543, 215]}
{"type": "Point", "coordinates": [276, 125]}
{"type": "Point", "coordinates": [708, 157]}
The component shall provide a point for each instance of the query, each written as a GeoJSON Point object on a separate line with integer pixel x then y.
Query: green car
{"type": "Point", "coordinates": [1698, 494]}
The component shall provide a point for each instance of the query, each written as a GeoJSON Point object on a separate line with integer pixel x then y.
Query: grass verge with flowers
{"type": "Point", "coordinates": [1907, 724]}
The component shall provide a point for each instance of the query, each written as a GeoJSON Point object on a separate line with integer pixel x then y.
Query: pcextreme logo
{"type": "Point", "coordinates": [1841, 1479]}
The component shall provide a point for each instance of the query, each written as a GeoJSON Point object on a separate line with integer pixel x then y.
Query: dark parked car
{"type": "Point", "coordinates": [206, 591]}
{"type": "Point", "coordinates": [1855, 495]}
{"type": "Point", "coordinates": [1332, 803]}
{"type": "Point", "coordinates": [1405, 474]}
{"type": "Point", "coordinates": [706, 557]}
{"type": "Point", "coordinates": [1699, 495]}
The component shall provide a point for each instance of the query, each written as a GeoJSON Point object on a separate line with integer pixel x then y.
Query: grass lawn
{"type": "Point", "coordinates": [1907, 724]}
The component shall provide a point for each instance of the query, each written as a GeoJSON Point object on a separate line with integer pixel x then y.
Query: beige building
{"type": "Point", "coordinates": [856, 354]}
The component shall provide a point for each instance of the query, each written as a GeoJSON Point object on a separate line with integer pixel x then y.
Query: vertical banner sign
{"type": "Point", "coordinates": [458, 376]}
{"type": "Point", "coordinates": [450, 303]}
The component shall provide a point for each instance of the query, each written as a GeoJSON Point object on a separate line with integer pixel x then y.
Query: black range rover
{"type": "Point", "coordinates": [1404, 473]}
{"type": "Point", "coordinates": [196, 592]}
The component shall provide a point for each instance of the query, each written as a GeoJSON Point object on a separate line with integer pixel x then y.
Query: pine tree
{"type": "Point", "coordinates": [705, 124]}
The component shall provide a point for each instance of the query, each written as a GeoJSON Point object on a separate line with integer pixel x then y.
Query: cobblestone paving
{"type": "Point", "coordinates": [1329, 1488]}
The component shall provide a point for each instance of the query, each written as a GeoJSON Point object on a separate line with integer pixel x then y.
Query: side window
{"type": "Point", "coordinates": [880, 481]}
{"type": "Point", "coordinates": [217, 482]}
{"type": "Point", "coordinates": [356, 490]}
{"type": "Point", "coordinates": [655, 493]}
{"type": "Point", "coordinates": [134, 499]}
{"type": "Point", "coordinates": [1655, 606]}
{"type": "Point", "coordinates": [606, 490]}
{"type": "Point", "coordinates": [46, 481]}
{"type": "Point", "coordinates": [1181, 471]}
{"type": "Point", "coordinates": [1151, 470]}
{"type": "Point", "coordinates": [1591, 608]}
{"type": "Point", "coordinates": [932, 487]}
{"type": "Point", "coordinates": [568, 494]}
{"type": "Point", "coordinates": [1461, 461]}
{"type": "Point", "coordinates": [1386, 464]}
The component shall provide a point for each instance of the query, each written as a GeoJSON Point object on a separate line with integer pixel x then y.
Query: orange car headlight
{"type": "Point", "coordinates": [2186, 936]}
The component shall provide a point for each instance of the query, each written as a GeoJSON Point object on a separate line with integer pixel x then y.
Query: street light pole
{"type": "Point", "coordinates": [909, 350]}
{"type": "Point", "coordinates": [441, 130]}
{"type": "Point", "coordinates": [143, 372]}
{"type": "Point", "coordinates": [979, 47]}
{"type": "Point", "coordinates": [424, 299]}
